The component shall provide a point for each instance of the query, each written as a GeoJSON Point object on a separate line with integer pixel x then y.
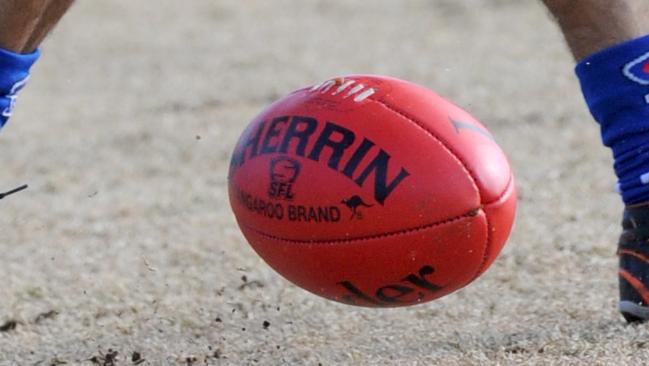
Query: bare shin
{"type": "Point", "coordinates": [591, 25]}
{"type": "Point", "coordinates": [25, 23]}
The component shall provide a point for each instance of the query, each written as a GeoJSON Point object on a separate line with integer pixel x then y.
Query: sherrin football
{"type": "Point", "coordinates": [372, 191]}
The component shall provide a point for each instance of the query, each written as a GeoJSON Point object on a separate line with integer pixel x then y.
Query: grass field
{"type": "Point", "coordinates": [125, 241]}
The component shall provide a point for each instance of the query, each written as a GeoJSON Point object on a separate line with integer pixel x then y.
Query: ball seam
{"type": "Point", "coordinates": [488, 243]}
{"type": "Point", "coordinates": [503, 193]}
{"type": "Point", "coordinates": [465, 167]}
{"type": "Point", "coordinates": [443, 143]}
{"type": "Point", "coordinates": [468, 214]}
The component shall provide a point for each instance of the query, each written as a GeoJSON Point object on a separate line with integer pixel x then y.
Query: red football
{"type": "Point", "coordinates": [372, 191]}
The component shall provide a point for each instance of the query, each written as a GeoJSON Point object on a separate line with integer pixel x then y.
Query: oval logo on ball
{"type": "Point", "coordinates": [372, 191]}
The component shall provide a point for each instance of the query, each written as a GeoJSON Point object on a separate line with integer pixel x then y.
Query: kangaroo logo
{"type": "Point", "coordinates": [353, 203]}
{"type": "Point", "coordinates": [283, 173]}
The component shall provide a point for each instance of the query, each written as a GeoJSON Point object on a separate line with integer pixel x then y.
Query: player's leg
{"type": "Point", "coordinates": [18, 20]}
{"type": "Point", "coordinates": [23, 26]}
{"type": "Point", "coordinates": [25, 23]}
{"type": "Point", "coordinates": [609, 40]}
{"type": "Point", "coordinates": [53, 13]}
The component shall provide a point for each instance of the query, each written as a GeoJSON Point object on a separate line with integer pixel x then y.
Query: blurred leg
{"type": "Point", "coordinates": [24, 23]}
{"type": "Point", "coordinates": [55, 10]}
{"type": "Point", "coordinates": [18, 21]}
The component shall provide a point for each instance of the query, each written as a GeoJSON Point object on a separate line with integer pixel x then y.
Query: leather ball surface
{"type": "Point", "coordinates": [372, 191]}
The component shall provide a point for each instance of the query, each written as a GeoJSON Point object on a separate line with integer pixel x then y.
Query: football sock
{"type": "Point", "coordinates": [615, 84]}
{"type": "Point", "coordinates": [14, 72]}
